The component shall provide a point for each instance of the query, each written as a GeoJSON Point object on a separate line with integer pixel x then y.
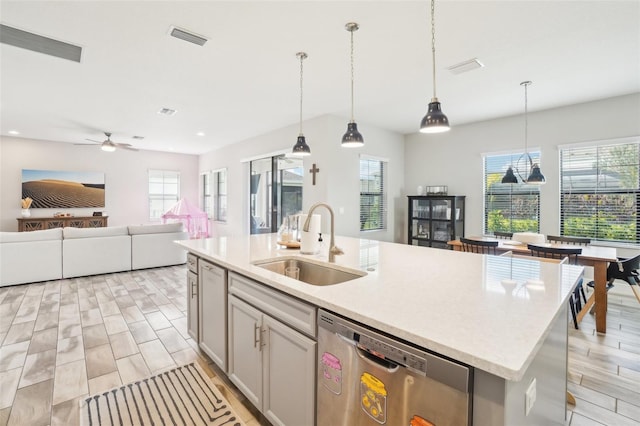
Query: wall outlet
{"type": "Point", "coordinates": [530, 397]}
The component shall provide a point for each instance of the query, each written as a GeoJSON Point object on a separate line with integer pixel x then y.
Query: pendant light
{"type": "Point", "coordinates": [535, 175]}
{"type": "Point", "coordinates": [301, 148]}
{"type": "Point", "coordinates": [435, 121]}
{"type": "Point", "coordinates": [352, 138]}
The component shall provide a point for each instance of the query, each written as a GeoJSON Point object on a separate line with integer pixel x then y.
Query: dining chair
{"type": "Point", "coordinates": [571, 254]}
{"type": "Point", "coordinates": [574, 241]}
{"type": "Point", "coordinates": [503, 235]}
{"type": "Point", "coordinates": [625, 269]}
{"type": "Point", "coordinates": [479, 246]}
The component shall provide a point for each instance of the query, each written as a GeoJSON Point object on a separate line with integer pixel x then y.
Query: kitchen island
{"type": "Point", "coordinates": [504, 317]}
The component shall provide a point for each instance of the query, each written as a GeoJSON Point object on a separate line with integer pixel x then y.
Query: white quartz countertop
{"type": "Point", "coordinates": [490, 312]}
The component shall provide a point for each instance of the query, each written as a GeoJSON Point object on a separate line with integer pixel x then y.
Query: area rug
{"type": "Point", "coordinates": [181, 396]}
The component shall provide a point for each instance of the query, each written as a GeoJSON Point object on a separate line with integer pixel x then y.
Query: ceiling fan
{"type": "Point", "coordinates": [108, 145]}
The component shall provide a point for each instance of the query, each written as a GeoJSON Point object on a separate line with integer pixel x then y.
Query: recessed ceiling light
{"type": "Point", "coordinates": [465, 66]}
{"type": "Point", "coordinates": [200, 134]}
{"type": "Point", "coordinates": [167, 111]}
{"type": "Point", "coordinates": [14, 132]}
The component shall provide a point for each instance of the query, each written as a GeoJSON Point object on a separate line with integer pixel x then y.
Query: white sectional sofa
{"type": "Point", "coordinates": [52, 254]}
{"type": "Point", "coordinates": [30, 256]}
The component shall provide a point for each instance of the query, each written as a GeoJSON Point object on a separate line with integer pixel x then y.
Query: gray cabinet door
{"type": "Point", "coordinates": [245, 349]}
{"type": "Point", "coordinates": [289, 375]}
{"type": "Point", "coordinates": [192, 305]}
{"type": "Point", "coordinates": [213, 312]}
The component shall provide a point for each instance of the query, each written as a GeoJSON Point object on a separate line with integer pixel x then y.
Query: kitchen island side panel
{"type": "Point", "coordinates": [501, 402]}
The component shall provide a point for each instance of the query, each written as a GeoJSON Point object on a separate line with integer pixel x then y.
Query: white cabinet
{"type": "Point", "coordinates": [192, 297]}
{"type": "Point", "coordinates": [213, 312]}
{"type": "Point", "coordinates": [272, 363]}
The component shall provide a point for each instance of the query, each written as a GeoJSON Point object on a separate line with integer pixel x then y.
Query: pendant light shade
{"type": "Point", "coordinates": [536, 177]}
{"type": "Point", "coordinates": [435, 121]}
{"type": "Point", "coordinates": [352, 138]}
{"type": "Point", "coordinates": [509, 177]}
{"type": "Point", "coordinates": [301, 149]}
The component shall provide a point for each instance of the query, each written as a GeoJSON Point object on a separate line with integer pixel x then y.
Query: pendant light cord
{"type": "Point", "coordinates": [433, 45]}
{"type": "Point", "coordinates": [352, 119]}
{"type": "Point", "coordinates": [526, 122]}
{"type": "Point", "coordinates": [301, 56]}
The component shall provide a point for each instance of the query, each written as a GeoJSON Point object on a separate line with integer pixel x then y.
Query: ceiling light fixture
{"type": "Point", "coordinates": [301, 148]}
{"type": "Point", "coordinates": [435, 121]}
{"type": "Point", "coordinates": [14, 132]}
{"type": "Point", "coordinates": [352, 138]}
{"type": "Point", "coordinates": [535, 175]}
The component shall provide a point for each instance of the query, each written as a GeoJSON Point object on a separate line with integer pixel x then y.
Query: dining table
{"type": "Point", "coordinates": [597, 257]}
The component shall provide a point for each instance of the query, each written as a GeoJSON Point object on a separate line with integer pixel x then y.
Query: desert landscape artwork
{"type": "Point", "coordinates": [62, 189]}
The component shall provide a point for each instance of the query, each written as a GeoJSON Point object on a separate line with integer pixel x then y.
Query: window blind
{"type": "Point", "coordinates": [207, 201]}
{"type": "Point", "coordinates": [373, 194]}
{"type": "Point", "coordinates": [220, 190]}
{"type": "Point", "coordinates": [510, 207]}
{"type": "Point", "coordinates": [600, 191]}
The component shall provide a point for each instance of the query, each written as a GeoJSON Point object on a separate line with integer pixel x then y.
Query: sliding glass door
{"type": "Point", "coordinates": [275, 192]}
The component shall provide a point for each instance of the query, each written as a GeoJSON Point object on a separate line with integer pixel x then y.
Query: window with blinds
{"type": "Point", "coordinates": [600, 190]}
{"type": "Point", "coordinates": [164, 192]}
{"type": "Point", "coordinates": [220, 195]}
{"type": "Point", "coordinates": [207, 196]}
{"type": "Point", "coordinates": [373, 194]}
{"type": "Point", "coordinates": [510, 207]}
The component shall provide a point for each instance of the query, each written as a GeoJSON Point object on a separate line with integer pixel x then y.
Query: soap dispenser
{"type": "Point", "coordinates": [309, 239]}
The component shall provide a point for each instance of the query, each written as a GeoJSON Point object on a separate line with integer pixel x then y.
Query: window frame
{"type": "Point", "coordinates": [602, 227]}
{"type": "Point", "coordinates": [220, 200]}
{"type": "Point", "coordinates": [382, 194]}
{"type": "Point", "coordinates": [525, 195]}
{"type": "Point", "coordinates": [168, 199]}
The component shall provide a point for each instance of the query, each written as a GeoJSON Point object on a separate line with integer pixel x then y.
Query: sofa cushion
{"type": "Point", "coordinates": [156, 229]}
{"type": "Point", "coordinates": [109, 231]}
{"type": "Point", "coordinates": [18, 237]}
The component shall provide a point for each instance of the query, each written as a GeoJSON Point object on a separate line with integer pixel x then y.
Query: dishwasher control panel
{"type": "Point", "coordinates": [392, 353]}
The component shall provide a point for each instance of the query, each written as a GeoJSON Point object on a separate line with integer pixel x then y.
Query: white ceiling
{"type": "Point", "coordinates": [245, 81]}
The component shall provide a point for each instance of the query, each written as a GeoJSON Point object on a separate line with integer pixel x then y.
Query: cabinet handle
{"type": "Point", "coordinates": [207, 267]}
{"type": "Point", "coordinates": [257, 336]}
{"type": "Point", "coordinates": [194, 288]}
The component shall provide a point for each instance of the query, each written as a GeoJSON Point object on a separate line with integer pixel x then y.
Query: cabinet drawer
{"type": "Point", "coordinates": [286, 309]}
{"type": "Point", "coordinates": [192, 262]}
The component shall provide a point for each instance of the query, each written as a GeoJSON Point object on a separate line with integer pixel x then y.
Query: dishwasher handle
{"type": "Point", "coordinates": [372, 359]}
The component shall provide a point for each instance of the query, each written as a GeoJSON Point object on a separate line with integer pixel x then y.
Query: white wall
{"type": "Point", "coordinates": [126, 179]}
{"type": "Point", "coordinates": [455, 158]}
{"type": "Point", "coordinates": [337, 183]}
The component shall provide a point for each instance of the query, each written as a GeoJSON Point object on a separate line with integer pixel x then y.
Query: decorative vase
{"type": "Point", "coordinates": [25, 213]}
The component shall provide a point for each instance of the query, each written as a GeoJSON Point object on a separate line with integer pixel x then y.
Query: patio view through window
{"type": "Point", "coordinates": [600, 190]}
{"type": "Point", "coordinates": [510, 207]}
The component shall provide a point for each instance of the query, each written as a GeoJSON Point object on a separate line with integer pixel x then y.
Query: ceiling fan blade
{"type": "Point", "coordinates": [90, 144]}
{"type": "Point", "coordinates": [93, 140]}
{"type": "Point", "coordinates": [126, 146]}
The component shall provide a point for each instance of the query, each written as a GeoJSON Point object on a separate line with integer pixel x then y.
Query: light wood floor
{"type": "Point", "coordinates": [64, 340]}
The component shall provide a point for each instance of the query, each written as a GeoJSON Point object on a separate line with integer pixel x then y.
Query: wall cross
{"type": "Point", "coordinates": [313, 170]}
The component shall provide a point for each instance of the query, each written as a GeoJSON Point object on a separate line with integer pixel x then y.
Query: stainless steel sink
{"type": "Point", "coordinates": [311, 273]}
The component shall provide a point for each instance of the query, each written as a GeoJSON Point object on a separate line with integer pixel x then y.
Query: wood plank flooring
{"type": "Point", "coordinates": [604, 369]}
{"type": "Point", "coordinates": [63, 340]}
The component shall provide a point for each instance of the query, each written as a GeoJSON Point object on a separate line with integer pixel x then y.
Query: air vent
{"type": "Point", "coordinates": [40, 44]}
{"type": "Point", "coordinates": [187, 36]}
{"type": "Point", "coordinates": [138, 137]}
{"type": "Point", "coordinates": [465, 66]}
{"type": "Point", "coordinates": [167, 111]}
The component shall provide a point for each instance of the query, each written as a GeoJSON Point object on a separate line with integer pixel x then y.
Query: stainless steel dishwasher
{"type": "Point", "coordinates": [367, 378]}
